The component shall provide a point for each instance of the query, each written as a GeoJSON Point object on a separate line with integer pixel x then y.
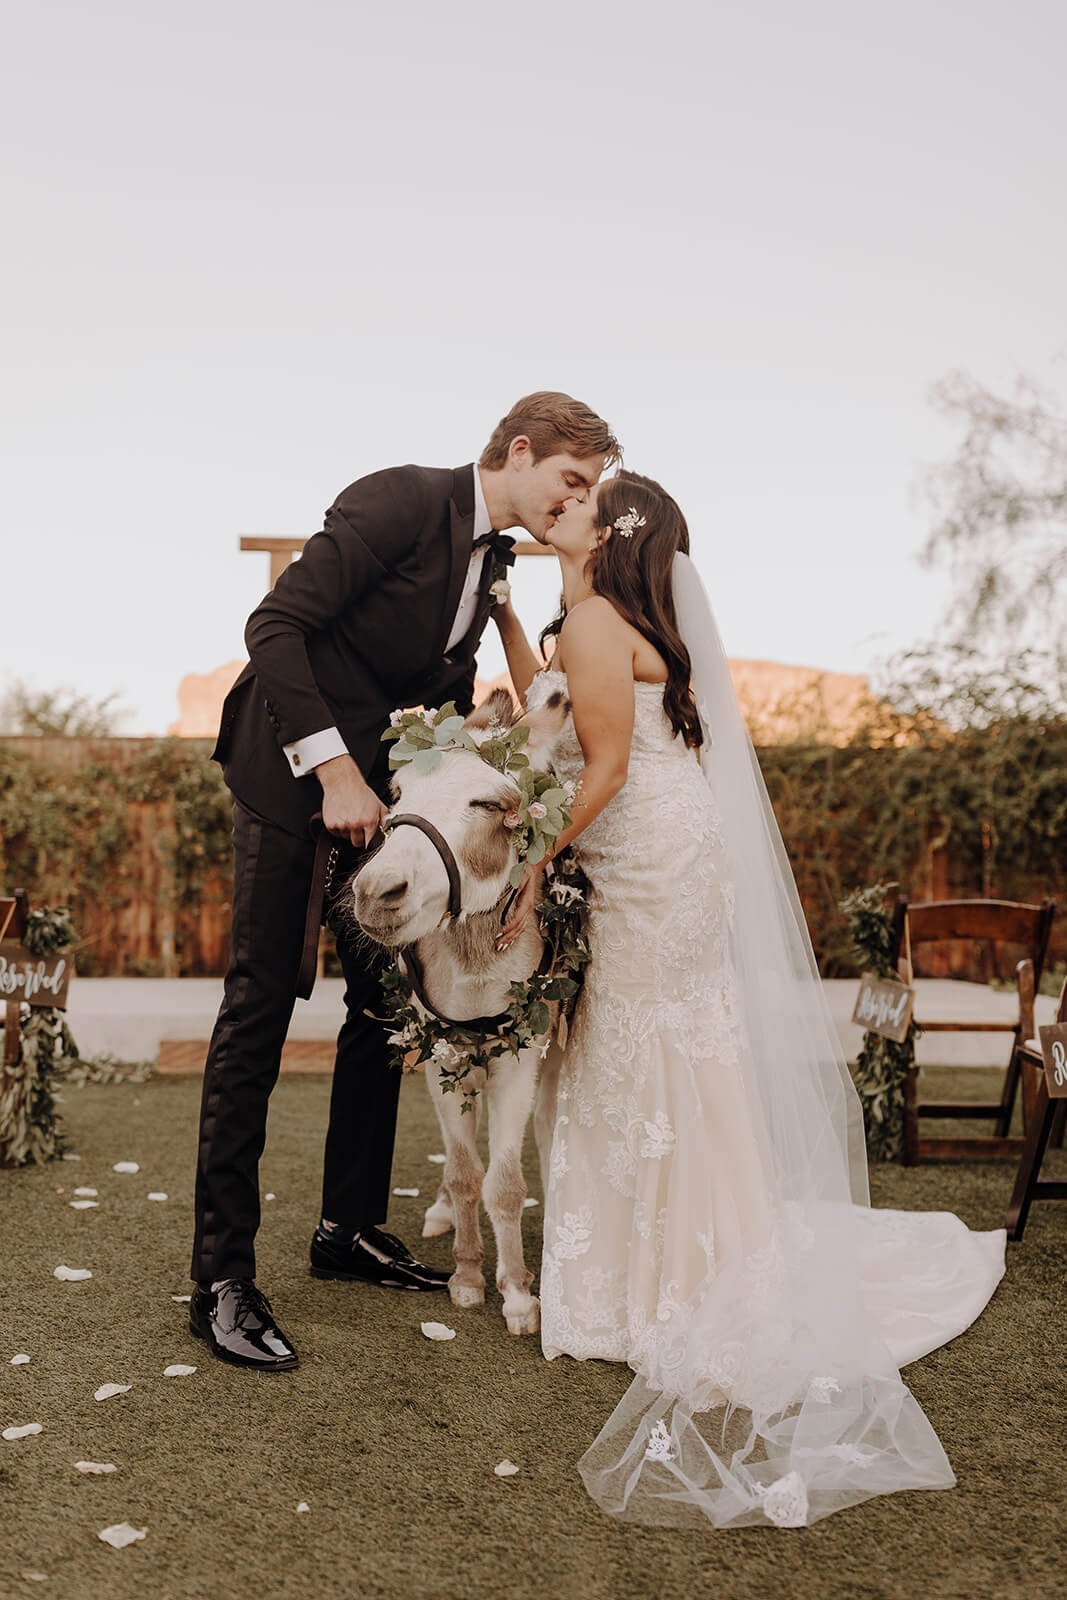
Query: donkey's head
{"type": "Point", "coordinates": [404, 891]}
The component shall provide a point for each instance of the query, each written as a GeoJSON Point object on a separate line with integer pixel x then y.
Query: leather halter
{"type": "Point", "coordinates": [326, 855]}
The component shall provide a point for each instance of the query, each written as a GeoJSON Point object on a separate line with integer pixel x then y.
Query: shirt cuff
{"type": "Point", "coordinates": [304, 755]}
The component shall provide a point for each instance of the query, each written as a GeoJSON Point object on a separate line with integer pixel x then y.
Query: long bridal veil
{"type": "Point", "coordinates": [773, 1393]}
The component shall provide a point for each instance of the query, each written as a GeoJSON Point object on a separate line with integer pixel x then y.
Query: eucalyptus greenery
{"type": "Point", "coordinates": [882, 1065]}
{"type": "Point", "coordinates": [457, 1050]}
{"type": "Point", "coordinates": [30, 1126]}
{"type": "Point", "coordinates": [29, 1123]}
{"type": "Point", "coordinates": [421, 738]}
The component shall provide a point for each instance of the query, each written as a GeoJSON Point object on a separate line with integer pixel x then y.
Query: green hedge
{"type": "Point", "coordinates": [993, 797]}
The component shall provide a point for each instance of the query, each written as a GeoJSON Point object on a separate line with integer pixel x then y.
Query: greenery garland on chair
{"type": "Point", "coordinates": [882, 1066]}
{"type": "Point", "coordinates": [30, 1130]}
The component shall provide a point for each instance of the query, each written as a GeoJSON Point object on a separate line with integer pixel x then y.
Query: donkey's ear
{"type": "Point", "coordinates": [496, 710]}
{"type": "Point", "coordinates": [545, 725]}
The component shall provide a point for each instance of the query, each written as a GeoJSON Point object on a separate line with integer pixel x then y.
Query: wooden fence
{"type": "Point", "coordinates": [140, 916]}
{"type": "Point", "coordinates": [138, 923]}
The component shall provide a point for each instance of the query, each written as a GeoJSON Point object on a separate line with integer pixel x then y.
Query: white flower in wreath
{"type": "Point", "coordinates": [538, 810]}
{"type": "Point", "coordinates": [500, 591]}
{"type": "Point", "coordinates": [444, 1054]}
{"type": "Point", "coordinates": [394, 718]}
{"type": "Point", "coordinates": [785, 1502]}
{"type": "Point", "coordinates": [659, 1138]}
{"type": "Point", "coordinates": [405, 1037]}
{"type": "Point", "coordinates": [565, 894]}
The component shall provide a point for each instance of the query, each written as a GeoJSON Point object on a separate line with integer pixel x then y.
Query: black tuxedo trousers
{"type": "Point", "coordinates": [272, 877]}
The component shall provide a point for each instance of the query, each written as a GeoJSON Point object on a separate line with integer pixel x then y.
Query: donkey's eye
{"type": "Point", "coordinates": [488, 805]}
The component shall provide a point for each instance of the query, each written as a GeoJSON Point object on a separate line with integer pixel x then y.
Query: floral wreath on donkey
{"type": "Point", "coordinates": [422, 739]}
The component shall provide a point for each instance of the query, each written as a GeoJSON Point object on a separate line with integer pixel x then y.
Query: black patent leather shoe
{"type": "Point", "coordinates": [238, 1323]}
{"type": "Point", "coordinates": [371, 1256]}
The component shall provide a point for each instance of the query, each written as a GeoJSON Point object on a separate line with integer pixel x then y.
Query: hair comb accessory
{"type": "Point", "coordinates": [626, 524]}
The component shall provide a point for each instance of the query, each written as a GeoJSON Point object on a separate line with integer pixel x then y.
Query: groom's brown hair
{"type": "Point", "coordinates": [553, 423]}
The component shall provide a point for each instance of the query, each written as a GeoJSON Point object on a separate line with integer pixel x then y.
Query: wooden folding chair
{"type": "Point", "coordinates": [1043, 1117]}
{"type": "Point", "coordinates": [996, 922]}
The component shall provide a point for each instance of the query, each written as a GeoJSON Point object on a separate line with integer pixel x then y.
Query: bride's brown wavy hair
{"type": "Point", "coordinates": [636, 574]}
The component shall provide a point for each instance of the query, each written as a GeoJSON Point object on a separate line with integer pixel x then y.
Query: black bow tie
{"type": "Point", "coordinates": [501, 544]}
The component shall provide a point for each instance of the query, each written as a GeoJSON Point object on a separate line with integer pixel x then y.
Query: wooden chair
{"type": "Point", "coordinates": [995, 922]}
{"type": "Point", "coordinates": [1043, 1117]}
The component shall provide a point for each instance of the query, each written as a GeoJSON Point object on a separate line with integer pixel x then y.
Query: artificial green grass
{"type": "Point", "coordinates": [392, 1440]}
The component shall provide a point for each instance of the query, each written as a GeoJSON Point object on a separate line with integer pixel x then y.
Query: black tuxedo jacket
{"type": "Point", "coordinates": [352, 629]}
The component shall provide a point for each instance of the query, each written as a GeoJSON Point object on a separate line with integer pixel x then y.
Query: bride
{"type": "Point", "coordinates": [707, 1217]}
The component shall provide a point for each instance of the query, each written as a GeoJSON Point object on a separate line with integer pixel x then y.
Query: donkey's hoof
{"type": "Point", "coordinates": [466, 1295]}
{"type": "Point", "coordinates": [436, 1222]}
{"type": "Point", "coordinates": [521, 1321]}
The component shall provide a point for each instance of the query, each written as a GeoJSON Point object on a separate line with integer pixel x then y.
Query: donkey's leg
{"type": "Point", "coordinates": [545, 1108]}
{"type": "Point", "coordinates": [463, 1181]}
{"type": "Point", "coordinates": [440, 1217]}
{"type": "Point", "coordinates": [510, 1093]}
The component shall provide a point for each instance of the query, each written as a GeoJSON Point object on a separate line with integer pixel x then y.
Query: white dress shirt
{"type": "Point", "coordinates": [304, 755]}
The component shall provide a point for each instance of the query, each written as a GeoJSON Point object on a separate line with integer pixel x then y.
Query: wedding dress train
{"type": "Point", "coordinates": [699, 1219]}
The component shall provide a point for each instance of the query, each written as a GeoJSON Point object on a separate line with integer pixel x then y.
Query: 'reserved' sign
{"type": "Point", "coordinates": [36, 980]}
{"type": "Point", "coordinates": [1054, 1051]}
{"type": "Point", "coordinates": [884, 1006]}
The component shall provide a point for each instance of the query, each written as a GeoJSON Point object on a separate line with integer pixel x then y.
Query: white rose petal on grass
{"type": "Point", "coordinates": [95, 1466]}
{"type": "Point", "coordinates": [530, 1201]}
{"type": "Point", "coordinates": [303, 1506]}
{"type": "Point", "coordinates": [109, 1391]}
{"type": "Point", "coordinates": [19, 1361]}
{"type": "Point", "coordinates": [71, 1274]}
{"type": "Point", "coordinates": [83, 1205]}
{"type": "Point", "coordinates": [157, 1194]}
{"type": "Point", "coordinates": [182, 1299]}
{"type": "Point", "coordinates": [35, 1577]}
{"type": "Point", "coordinates": [84, 1190]}
{"type": "Point", "coordinates": [437, 1330]}
{"type": "Point", "coordinates": [270, 1197]}
{"type": "Point", "coordinates": [70, 1156]}
{"type": "Point", "coordinates": [505, 1469]}
{"type": "Point", "coordinates": [178, 1371]}
{"type": "Point", "coordinates": [437, 1158]}
{"type": "Point", "coordinates": [406, 1194]}
{"type": "Point", "coordinates": [24, 1432]}
{"type": "Point", "coordinates": [126, 1166]}
{"type": "Point", "coordinates": [120, 1534]}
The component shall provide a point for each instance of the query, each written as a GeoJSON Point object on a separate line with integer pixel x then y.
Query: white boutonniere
{"type": "Point", "coordinates": [500, 591]}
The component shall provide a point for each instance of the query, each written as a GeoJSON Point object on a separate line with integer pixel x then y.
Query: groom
{"type": "Point", "coordinates": [385, 608]}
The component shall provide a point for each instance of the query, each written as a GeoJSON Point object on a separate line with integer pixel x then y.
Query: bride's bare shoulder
{"type": "Point", "coordinates": [594, 618]}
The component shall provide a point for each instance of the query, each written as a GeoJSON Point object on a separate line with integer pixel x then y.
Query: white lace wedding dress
{"type": "Point", "coordinates": [665, 1245]}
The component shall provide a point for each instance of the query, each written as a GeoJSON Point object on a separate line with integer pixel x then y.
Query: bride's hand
{"type": "Point", "coordinates": [521, 910]}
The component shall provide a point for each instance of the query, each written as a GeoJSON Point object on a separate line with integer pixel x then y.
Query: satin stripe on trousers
{"type": "Point", "coordinates": [272, 873]}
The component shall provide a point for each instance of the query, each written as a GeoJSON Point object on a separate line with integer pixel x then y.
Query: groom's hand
{"type": "Point", "coordinates": [350, 806]}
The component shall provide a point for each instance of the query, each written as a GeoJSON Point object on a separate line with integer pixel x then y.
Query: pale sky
{"type": "Point", "coordinates": [253, 251]}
